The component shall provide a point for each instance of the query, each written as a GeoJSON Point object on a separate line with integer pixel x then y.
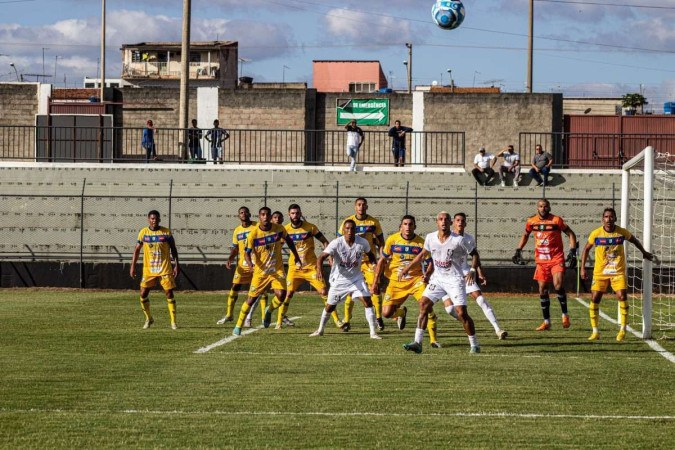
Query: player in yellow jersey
{"type": "Point", "coordinates": [399, 249]}
{"type": "Point", "coordinates": [265, 242]}
{"type": "Point", "coordinates": [158, 248]}
{"type": "Point", "coordinates": [303, 235]}
{"type": "Point", "coordinates": [610, 268]}
{"type": "Point", "coordinates": [370, 229]}
{"type": "Point", "coordinates": [242, 272]}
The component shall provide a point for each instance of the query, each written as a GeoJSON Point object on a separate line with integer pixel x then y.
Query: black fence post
{"type": "Point", "coordinates": [475, 212]}
{"type": "Point", "coordinates": [82, 274]}
{"type": "Point", "coordinates": [170, 199]}
{"type": "Point", "coordinates": [407, 193]}
{"type": "Point", "coordinates": [337, 206]}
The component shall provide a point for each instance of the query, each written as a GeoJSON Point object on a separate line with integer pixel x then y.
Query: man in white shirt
{"type": "Point", "coordinates": [354, 141]}
{"type": "Point", "coordinates": [346, 277]}
{"type": "Point", "coordinates": [511, 164]}
{"type": "Point", "coordinates": [449, 252]}
{"type": "Point", "coordinates": [482, 171]}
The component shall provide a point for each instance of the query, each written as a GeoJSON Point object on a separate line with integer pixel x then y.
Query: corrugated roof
{"type": "Point", "coordinates": [178, 44]}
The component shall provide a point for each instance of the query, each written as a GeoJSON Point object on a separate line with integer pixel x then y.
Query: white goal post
{"type": "Point", "coordinates": [647, 210]}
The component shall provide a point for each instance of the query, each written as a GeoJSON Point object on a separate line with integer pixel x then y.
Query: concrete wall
{"type": "Point", "coordinates": [19, 103]}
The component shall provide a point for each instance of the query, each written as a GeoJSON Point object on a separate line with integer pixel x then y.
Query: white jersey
{"type": "Point", "coordinates": [346, 260]}
{"type": "Point", "coordinates": [483, 161]}
{"type": "Point", "coordinates": [450, 256]}
{"type": "Point", "coordinates": [510, 159]}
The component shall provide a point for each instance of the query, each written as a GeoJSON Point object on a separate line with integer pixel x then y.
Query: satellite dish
{"type": "Point", "coordinates": [587, 110]}
{"type": "Point", "coordinates": [434, 83]}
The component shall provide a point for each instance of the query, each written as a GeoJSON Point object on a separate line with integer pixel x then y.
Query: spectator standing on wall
{"type": "Point", "coordinates": [194, 141]}
{"type": "Point", "coordinates": [354, 141]}
{"type": "Point", "coordinates": [216, 136]}
{"type": "Point", "coordinates": [541, 165]}
{"type": "Point", "coordinates": [397, 133]}
{"type": "Point", "coordinates": [148, 141]}
{"type": "Point", "coordinates": [511, 164]}
{"type": "Point", "coordinates": [482, 171]}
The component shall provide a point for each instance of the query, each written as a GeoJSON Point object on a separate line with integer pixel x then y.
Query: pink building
{"type": "Point", "coordinates": [348, 76]}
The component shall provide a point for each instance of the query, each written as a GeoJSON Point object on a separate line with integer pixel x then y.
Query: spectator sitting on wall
{"type": "Point", "coordinates": [541, 165]}
{"type": "Point", "coordinates": [481, 165]}
{"type": "Point", "coordinates": [397, 133]}
{"type": "Point", "coordinates": [148, 141]}
{"type": "Point", "coordinates": [511, 164]}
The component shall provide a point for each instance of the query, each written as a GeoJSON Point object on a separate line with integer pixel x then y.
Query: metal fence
{"type": "Point", "coordinates": [84, 227]}
{"type": "Point", "coordinates": [244, 146]}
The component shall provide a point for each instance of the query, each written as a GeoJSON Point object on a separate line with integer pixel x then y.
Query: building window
{"type": "Point", "coordinates": [195, 57]}
{"type": "Point", "coordinates": [89, 85]}
{"type": "Point", "coordinates": [361, 87]}
{"type": "Point", "coordinates": [136, 56]}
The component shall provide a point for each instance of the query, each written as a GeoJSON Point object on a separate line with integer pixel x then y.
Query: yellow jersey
{"type": "Point", "coordinates": [266, 247]}
{"type": "Point", "coordinates": [610, 256]}
{"type": "Point", "coordinates": [156, 251]}
{"type": "Point", "coordinates": [401, 251]}
{"type": "Point", "coordinates": [368, 228]}
{"type": "Point", "coordinates": [303, 238]}
{"type": "Point", "coordinates": [239, 236]}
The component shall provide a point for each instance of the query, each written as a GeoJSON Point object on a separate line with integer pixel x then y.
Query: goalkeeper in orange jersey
{"type": "Point", "coordinates": [158, 248]}
{"type": "Point", "coordinates": [549, 255]}
{"type": "Point", "coordinates": [609, 268]}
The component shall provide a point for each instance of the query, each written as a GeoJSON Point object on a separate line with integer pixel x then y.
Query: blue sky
{"type": "Point", "coordinates": [582, 47]}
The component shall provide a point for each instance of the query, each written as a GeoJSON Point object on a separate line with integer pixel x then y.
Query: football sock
{"type": "Point", "coordinates": [283, 310]}
{"type": "Point", "coordinates": [242, 314]}
{"type": "Point", "coordinates": [473, 341]}
{"type": "Point", "coordinates": [323, 320]}
{"type": "Point", "coordinates": [451, 310]}
{"type": "Point", "coordinates": [349, 307]}
{"type": "Point", "coordinates": [370, 317]}
{"type": "Point", "coordinates": [562, 298]}
{"type": "Point", "coordinates": [397, 313]}
{"type": "Point", "coordinates": [275, 303]}
{"type": "Point", "coordinates": [377, 306]}
{"type": "Point", "coordinates": [487, 310]}
{"type": "Point", "coordinates": [334, 314]}
{"type": "Point", "coordinates": [419, 335]}
{"type": "Point", "coordinates": [432, 326]}
{"type": "Point", "coordinates": [231, 300]}
{"type": "Point", "coordinates": [145, 305]}
{"type": "Point", "coordinates": [171, 303]}
{"type": "Point", "coordinates": [263, 306]}
{"type": "Point", "coordinates": [249, 316]}
{"type": "Point", "coordinates": [593, 309]}
{"type": "Point", "coordinates": [623, 314]}
{"type": "Point", "coordinates": [545, 307]}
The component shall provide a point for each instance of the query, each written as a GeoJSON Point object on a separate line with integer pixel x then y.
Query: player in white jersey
{"type": "Point", "coordinates": [449, 253]}
{"type": "Point", "coordinates": [473, 289]}
{"type": "Point", "coordinates": [346, 277]}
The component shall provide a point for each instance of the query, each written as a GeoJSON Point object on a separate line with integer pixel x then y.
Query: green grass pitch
{"type": "Point", "coordinates": [77, 371]}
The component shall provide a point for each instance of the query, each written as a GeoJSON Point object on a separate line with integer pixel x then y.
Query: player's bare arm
{"type": "Point", "coordinates": [319, 265]}
{"type": "Point", "coordinates": [174, 254]}
{"type": "Point", "coordinates": [584, 258]}
{"type": "Point", "coordinates": [134, 260]}
{"type": "Point", "coordinates": [291, 247]}
{"type": "Point", "coordinates": [247, 257]}
{"type": "Point", "coordinates": [518, 256]}
{"type": "Point", "coordinates": [230, 259]}
{"type": "Point", "coordinates": [417, 260]}
{"type": "Point", "coordinates": [645, 254]}
{"type": "Point", "coordinates": [379, 268]}
{"type": "Point", "coordinates": [475, 262]}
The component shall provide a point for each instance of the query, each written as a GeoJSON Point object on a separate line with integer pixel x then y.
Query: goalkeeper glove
{"type": "Point", "coordinates": [518, 258]}
{"type": "Point", "coordinates": [572, 259]}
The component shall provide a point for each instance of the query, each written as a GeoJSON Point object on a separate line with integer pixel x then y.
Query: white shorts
{"type": "Point", "coordinates": [438, 289]}
{"type": "Point", "coordinates": [339, 293]}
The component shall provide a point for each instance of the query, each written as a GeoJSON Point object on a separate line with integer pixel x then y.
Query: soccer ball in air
{"type": "Point", "coordinates": [448, 14]}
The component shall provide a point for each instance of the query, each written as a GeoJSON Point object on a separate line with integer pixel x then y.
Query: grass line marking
{"type": "Point", "coordinates": [650, 342]}
{"type": "Point", "coordinates": [228, 339]}
{"type": "Point", "coordinates": [487, 414]}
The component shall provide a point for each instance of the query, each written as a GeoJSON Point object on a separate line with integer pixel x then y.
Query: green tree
{"type": "Point", "coordinates": [633, 101]}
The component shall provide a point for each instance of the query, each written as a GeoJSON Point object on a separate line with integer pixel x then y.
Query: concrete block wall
{"type": "Point", "coordinates": [19, 103]}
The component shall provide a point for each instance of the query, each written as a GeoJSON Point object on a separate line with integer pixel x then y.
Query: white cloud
{"type": "Point", "coordinates": [360, 27]}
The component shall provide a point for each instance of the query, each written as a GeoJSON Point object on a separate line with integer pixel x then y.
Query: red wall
{"type": "Point", "coordinates": [335, 76]}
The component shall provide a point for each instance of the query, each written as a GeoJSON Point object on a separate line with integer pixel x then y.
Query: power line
{"type": "Point", "coordinates": [624, 5]}
{"type": "Point", "coordinates": [16, 1]}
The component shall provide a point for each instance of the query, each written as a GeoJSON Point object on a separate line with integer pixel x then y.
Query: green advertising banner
{"type": "Point", "coordinates": [372, 111]}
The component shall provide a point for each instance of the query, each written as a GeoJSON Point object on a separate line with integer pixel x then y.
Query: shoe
{"type": "Point", "coordinates": [339, 324]}
{"type": "Point", "coordinates": [174, 326]}
{"type": "Point", "coordinates": [621, 335]}
{"type": "Point", "coordinates": [288, 322]}
{"type": "Point", "coordinates": [488, 181]}
{"type": "Point", "coordinates": [148, 322]}
{"type": "Point", "coordinates": [375, 336]}
{"type": "Point", "coordinates": [540, 184]}
{"type": "Point", "coordinates": [594, 337]}
{"type": "Point", "coordinates": [247, 323]}
{"type": "Point", "coordinates": [475, 349]}
{"type": "Point", "coordinates": [278, 326]}
{"type": "Point", "coordinates": [503, 183]}
{"type": "Point", "coordinates": [413, 347]}
{"type": "Point", "coordinates": [566, 321]}
{"type": "Point", "coordinates": [380, 324]}
{"type": "Point", "coordinates": [268, 318]}
{"type": "Point", "coordinates": [316, 333]}
{"type": "Point", "coordinates": [346, 327]}
{"type": "Point", "coordinates": [520, 178]}
{"type": "Point", "coordinates": [436, 345]}
{"type": "Point", "coordinates": [401, 320]}
{"type": "Point", "coordinates": [236, 331]}
{"type": "Point", "coordinates": [544, 326]}
{"type": "Point", "coordinates": [502, 335]}
{"type": "Point", "coordinates": [224, 320]}
{"type": "Point", "coordinates": [515, 183]}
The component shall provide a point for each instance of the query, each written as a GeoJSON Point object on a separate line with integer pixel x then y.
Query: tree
{"type": "Point", "coordinates": [633, 101]}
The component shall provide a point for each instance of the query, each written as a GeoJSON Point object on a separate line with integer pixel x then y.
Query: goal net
{"type": "Point", "coordinates": [648, 211]}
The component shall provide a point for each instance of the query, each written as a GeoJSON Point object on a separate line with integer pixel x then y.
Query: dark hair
{"type": "Point", "coordinates": [154, 212]}
{"type": "Point", "coordinates": [278, 213]}
{"type": "Point", "coordinates": [610, 209]}
{"type": "Point", "coordinates": [349, 221]}
{"type": "Point", "coordinates": [294, 206]}
{"type": "Point", "coordinates": [459, 214]}
{"type": "Point", "coordinates": [408, 216]}
{"type": "Point", "coordinates": [265, 208]}
{"type": "Point", "coordinates": [244, 207]}
{"type": "Point", "coordinates": [360, 198]}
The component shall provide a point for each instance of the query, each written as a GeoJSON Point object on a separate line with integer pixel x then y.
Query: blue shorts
{"type": "Point", "coordinates": [398, 153]}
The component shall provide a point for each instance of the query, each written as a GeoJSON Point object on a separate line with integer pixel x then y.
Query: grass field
{"type": "Point", "coordinates": [77, 370]}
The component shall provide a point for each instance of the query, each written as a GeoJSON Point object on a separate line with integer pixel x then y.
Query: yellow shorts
{"type": "Point", "coordinates": [600, 284]}
{"type": "Point", "coordinates": [242, 276]}
{"type": "Point", "coordinates": [167, 282]}
{"type": "Point", "coordinates": [261, 281]}
{"type": "Point", "coordinates": [398, 291]}
{"type": "Point", "coordinates": [296, 277]}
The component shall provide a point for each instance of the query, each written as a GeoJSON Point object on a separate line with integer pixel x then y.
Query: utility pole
{"type": "Point", "coordinates": [102, 49]}
{"type": "Point", "coordinates": [185, 77]}
{"type": "Point", "coordinates": [530, 48]}
{"type": "Point", "coordinates": [56, 60]}
{"type": "Point", "coordinates": [409, 65]}
{"type": "Point", "coordinates": [43, 62]}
